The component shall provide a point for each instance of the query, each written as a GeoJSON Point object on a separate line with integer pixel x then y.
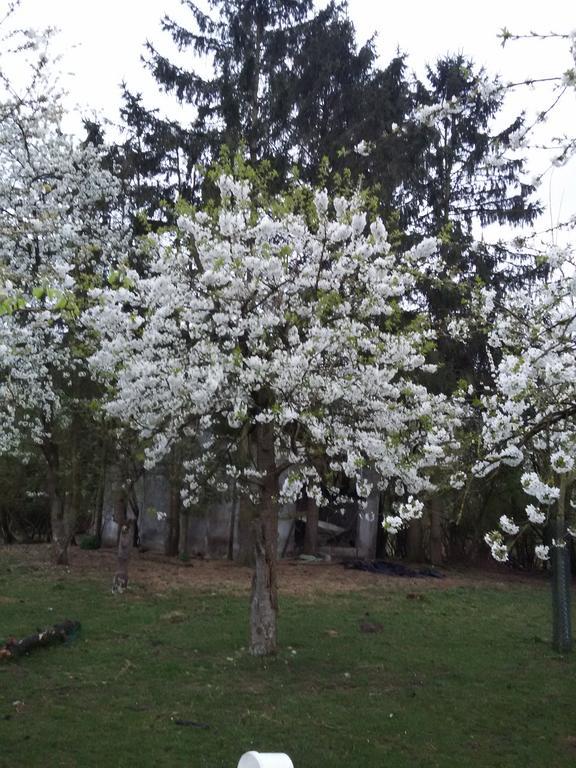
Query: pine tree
{"type": "Point", "coordinates": [289, 85]}
{"type": "Point", "coordinates": [463, 176]}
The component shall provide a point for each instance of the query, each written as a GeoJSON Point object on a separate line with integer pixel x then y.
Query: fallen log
{"type": "Point", "coordinates": [59, 633]}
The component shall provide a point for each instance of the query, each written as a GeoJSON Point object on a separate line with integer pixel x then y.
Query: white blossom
{"type": "Point", "coordinates": [534, 486]}
{"type": "Point", "coordinates": [542, 552]}
{"type": "Point", "coordinates": [508, 526]}
{"type": "Point", "coordinates": [53, 239]}
{"type": "Point", "coordinates": [278, 326]}
{"type": "Point", "coordinates": [362, 148]}
{"type": "Point", "coordinates": [534, 515]}
{"type": "Point", "coordinates": [412, 509]}
{"type": "Point", "coordinates": [561, 462]}
{"type": "Point", "coordinates": [498, 549]}
{"type": "Point", "coordinates": [392, 523]}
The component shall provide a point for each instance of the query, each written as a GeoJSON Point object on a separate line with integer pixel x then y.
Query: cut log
{"type": "Point", "coordinates": [59, 633]}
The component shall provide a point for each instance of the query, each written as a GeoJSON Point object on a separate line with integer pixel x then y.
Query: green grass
{"type": "Point", "coordinates": [462, 678]}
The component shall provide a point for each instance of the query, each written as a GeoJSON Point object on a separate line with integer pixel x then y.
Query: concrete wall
{"type": "Point", "coordinates": [208, 532]}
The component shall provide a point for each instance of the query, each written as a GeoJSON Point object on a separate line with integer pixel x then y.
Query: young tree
{"type": "Point", "coordinates": [57, 240]}
{"type": "Point", "coordinates": [273, 336]}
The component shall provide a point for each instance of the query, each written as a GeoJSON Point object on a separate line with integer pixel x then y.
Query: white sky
{"type": "Point", "coordinates": [101, 43]}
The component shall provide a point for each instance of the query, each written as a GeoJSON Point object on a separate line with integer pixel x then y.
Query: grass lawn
{"type": "Point", "coordinates": [460, 676]}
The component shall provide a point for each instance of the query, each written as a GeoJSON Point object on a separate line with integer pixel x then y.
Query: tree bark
{"type": "Point", "coordinates": [415, 541]}
{"type": "Point", "coordinates": [99, 502]}
{"type": "Point", "coordinates": [98, 514]}
{"type": "Point", "coordinates": [264, 597]}
{"type": "Point", "coordinates": [183, 551]}
{"type": "Point", "coordinates": [120, 581]}
{"type": "Point", "coordinates": [59, 633]}
{"type": "Point", "coordinates": [232, 525]}
{"type": "Point", "coordinates": [60, 531]}
{"type": "Point", "coordinates": [246, 513]}
{"type": "Point", "coordinates": [173, 532]}
{"type": "Point", "coordinates": [252, 128]}
{"type": "Point", "coordinates": [5, 530]}
{"type": "Point", "coordinates": [61, 534]}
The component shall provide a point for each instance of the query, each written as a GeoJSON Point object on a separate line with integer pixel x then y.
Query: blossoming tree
{"type": "Point", "coordinates": [271, 337]}
{"type": "Point", "coordinates": [530, 417]}
{"type": "Point", "coordinates": [530, 420]}
{"type": "Point", "coordinates": [56, 242]}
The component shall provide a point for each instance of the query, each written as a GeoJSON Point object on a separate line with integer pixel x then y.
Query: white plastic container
{"type": "Point", "coordinates": [265, 760]}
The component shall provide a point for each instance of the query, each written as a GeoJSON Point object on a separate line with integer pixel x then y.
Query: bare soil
{"type": "Point", "coordinates": [158, 573]}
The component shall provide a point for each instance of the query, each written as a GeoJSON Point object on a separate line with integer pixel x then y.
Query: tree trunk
{"type": "Point", "coordinates": [415, 542]}
{"type": "Point", "coordinates": [61, 534]}
{"type": "Point", "coordinates": [99, 502]}
{"type": "Point", "coordinates": [60, 531]}
{"type": "Point", "coordinates": [98, 514]}
{"type": "Point", "coordinates": [183, 552]}
{"type": "Point", "coordinates": [120, 581]}
{"type": "Point", "coordinates": [173, 532]}
{"type": "Point", "coordinates": [59, 633]}
{"type": "Point", "coordinates": [232, 526]}
{"type": "Point", "coordinates": [134, 511]}
{"type": "Point", "coordinates": [435, 511]}
{"type": "Point", "coordinates": [5, 530]}
{"type": "Point", "coordinates": [246, 513]}
{"type": "Point", "coordinates": [561, 577]}
{"type": "Point", "coordinates": [252, 128]}
{"type": "Point", "coordinates": [311, 530]}
{"type": "Point", "coordinates": [264, 597]}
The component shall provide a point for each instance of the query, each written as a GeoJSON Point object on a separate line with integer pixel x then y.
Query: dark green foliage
{"type": "Point", "coordinates": [287, 86]}
{"type": "Point", "coordinates": [247, 99]}
{"type": "Point", "coordinates": [24, 509]}
{"type": "Point", "coordinates": [451, 182]}
{"type": "Point", "coordinates": [451, 189]}
{"type": "Point", "coordinates": [90, 542]}
{"type": "Point", "coordinates": [156, 163]}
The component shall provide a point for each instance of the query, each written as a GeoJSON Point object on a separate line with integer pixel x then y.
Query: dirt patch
{"type": "Point", "coordinates": [160, 574]}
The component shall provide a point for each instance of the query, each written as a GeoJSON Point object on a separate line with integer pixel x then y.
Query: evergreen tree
{"type": "Point", "coordinates": [464, 176]}
{"type": "Point", "coordinates": [289, 85]}
{"type": "Point", "coordinates": [247, 99]}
